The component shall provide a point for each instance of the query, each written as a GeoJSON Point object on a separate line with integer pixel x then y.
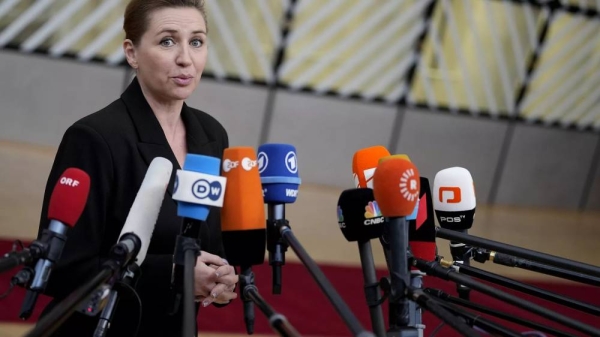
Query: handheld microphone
{"type": "Point", "coordinates": [131, 247]}
{"type": "Point", "coordinates": [66, 204]}
{"type": "Point", "coordinates": [278, 168]}
{"type": "Point", "coordinates": [364, 164]}
{"type": "Point", "coordinates": [197, 188]}
{"type": "Point", "coordinates": [243, 220]}
{"type": "Point", "coordinates": [454, 203]}
{"type": "Point", "coordinates": [396, 186]}
{"type": "Point", "coordinates": [361, 220]}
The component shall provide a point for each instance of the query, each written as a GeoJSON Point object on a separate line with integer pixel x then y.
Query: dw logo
{"type": "Point", "coordinates": [263, 161]}
{"type": "Point", "coordinates": [203, 189]}
{"type": "Point", "coordinates": [453, 192]}
{"type": "Point", "coordinates": [291, 163]}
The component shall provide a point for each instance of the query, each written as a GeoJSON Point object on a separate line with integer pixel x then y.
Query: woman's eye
{"type": "Point", "coordinates": [196, 43]}
{"type": "Point", "coordinates": [167, 42]}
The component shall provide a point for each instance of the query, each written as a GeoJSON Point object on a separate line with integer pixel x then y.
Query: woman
{"type": "Point", "coordinates": [166, 46]}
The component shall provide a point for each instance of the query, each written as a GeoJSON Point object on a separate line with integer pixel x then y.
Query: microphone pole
{"type": "Point", "coordinates": [521, 287]}
{"type": "Point", "coordinates": [502, 315]}
{"type": "Point", "coordinates": [519, 252]}
{"type": "Point", "coordinates": [482, 255]}
{"type": "Point", "coordinates": [275, 245]}
{"type": "Point", "coordinates": [430, 305]}
{"type": "Point", "coordinates": [341, 307]}
{"type": "Point", "coordinates": [434, 269]}
{"type": "Point", "coordinates": [278, 322]}
{"type": "Point", "coordinates": [483, 323]}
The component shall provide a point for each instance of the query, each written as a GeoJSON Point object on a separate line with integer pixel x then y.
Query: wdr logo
{"type": "Point", "coordinates": [203, 189]}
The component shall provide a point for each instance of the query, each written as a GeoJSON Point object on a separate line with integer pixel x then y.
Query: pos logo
{"type": "Point", "coordinates": [203, 189]}
{"type": "Point", "coordinates": [453, 195]}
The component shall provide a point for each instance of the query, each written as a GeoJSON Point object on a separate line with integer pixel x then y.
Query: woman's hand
{"type": "Point", "coordinates": [214, 279]}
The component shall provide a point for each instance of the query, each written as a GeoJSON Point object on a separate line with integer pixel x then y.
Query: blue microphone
{"type": "Point", "coordinates": [198, 187]}
{"type": "Point", "coordinates": [278, 168]}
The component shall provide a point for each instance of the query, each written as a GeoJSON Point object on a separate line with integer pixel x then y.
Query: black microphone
{"type": "Point", "coordinates": [278, 168]}
{"type": "Point", "coordinates": [66, 204]}
{"type": "Point", "coordinates": [454, 202]}
{"type": "Point", "coordinates": [361, 220]}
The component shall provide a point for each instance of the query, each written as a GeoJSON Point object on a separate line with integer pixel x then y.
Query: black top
{"type": "Point", "coordinates": [115, 146]}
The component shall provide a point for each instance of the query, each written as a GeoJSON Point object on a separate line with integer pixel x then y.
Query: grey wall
{"type": "Point", "coordinates": [41, 97]}
{"type": "Point", "coordinates": [544, 167]}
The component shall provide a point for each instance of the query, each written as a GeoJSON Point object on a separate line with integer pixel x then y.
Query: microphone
{"type": "Point", "coordinates": [66, 204]}
{"type": "Point", "coordinates": [278, 168]}
{"type": "Point", "coordinates": [243, 220]}
{"type": "Point", "coordinates": [364, 164]}
{"type": "Point", "coordinates": [131, 247]}
{"type": "Point", "coordinates": [360, 220]}
{"type": "Point", "coordinates": [197, 188]}
{"type": "Point", "coordinates": [454, 203]}
{"type": "Point", "coordinates": [396, 186]}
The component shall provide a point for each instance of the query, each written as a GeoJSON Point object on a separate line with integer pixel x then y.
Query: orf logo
{"type": "Point", "coordinates": [452, 195]}
{"type": "Point", "coordinates": [291, 162]}
{"type": "Point", "coordinates": [263, 161]}
{"type": "Point", "coordinates": [202, 189]}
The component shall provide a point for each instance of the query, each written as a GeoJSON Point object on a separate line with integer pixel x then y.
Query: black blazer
{"type": "Point", "coordinates": [115, 146]}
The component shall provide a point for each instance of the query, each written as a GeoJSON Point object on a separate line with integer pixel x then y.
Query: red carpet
{"type": "Point", "coordinates": [305, 306]}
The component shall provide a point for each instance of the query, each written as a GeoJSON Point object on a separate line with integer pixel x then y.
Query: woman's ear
{"type": "Point", "coordinates": [129, 50]}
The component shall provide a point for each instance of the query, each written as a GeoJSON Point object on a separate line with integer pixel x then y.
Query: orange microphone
{"type": "Point", "coordinates": [364, 164]}
{"type": "Point", "coordinates": [243, 222]}
{"type": "Point", "coordinates": [243, 214]}
{"type": "Point", "coordinates": [396, 187]}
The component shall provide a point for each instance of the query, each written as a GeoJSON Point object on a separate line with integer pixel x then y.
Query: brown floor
{"type": "Point", "coordinates": [569, 234]}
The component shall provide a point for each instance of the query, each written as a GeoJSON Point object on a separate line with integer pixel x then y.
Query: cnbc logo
{"type": "Point", "coordinates": [373, 215]}
{"type": "Point", "coordinates": [340, 218]}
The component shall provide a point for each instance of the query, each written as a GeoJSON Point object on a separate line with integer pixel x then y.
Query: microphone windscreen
{"type": "Point", "coordinates": [396, 187]}
{"type": "Point", "coordinates": [454, 198]}
{"type": "Point", "coordinates": [69, 196]}
{"type": "Point", "coordinates": [364, 163]}
{"type": "Point", "coordinates": [243, 220]}
{"type": "Point", "coordinates": [278, 168]}
{"type": "Point", "coordinates": [202, 164]}
{"type": "Point", "coordinates": [143, 214]}
{"type": "Point", "coordinates": [421, 230]}
{"type": "Point", "coordinates": [394, 156]}
{"type": "Point", "coordinates": [359, 216]}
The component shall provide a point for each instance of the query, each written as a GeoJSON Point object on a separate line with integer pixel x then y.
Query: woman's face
{"type": "Point", "coordinates": [171, 55]}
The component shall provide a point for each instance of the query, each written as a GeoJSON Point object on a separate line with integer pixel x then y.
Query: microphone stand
{"type": "Point", "coordinates": [482, 255]}
{"type": "Point", "coordinates": [522, 287]}
{"type": "Point", "coordinates": [278, 322]}
{"type": "Point", "coordinates": [502, 315]}
{"type": "Point", "coordinates": [275, 244]}
{"type": "Point", "coordinates": [372, 291]}
{"type": "Point", "coordinates": [519, 252]}
{"type": "Point", "coordinates": [120, 256]}
{"type": "Point", "coordinates": [434, 269]}
{"type": "Point", "coordinates": [336, 300]}
{"type": "Point", "coordinates": [187, 250]}
{"type": "Point", "coordinates": [128, 278]}
{"type": "Point", "coordinates": [483, 323]}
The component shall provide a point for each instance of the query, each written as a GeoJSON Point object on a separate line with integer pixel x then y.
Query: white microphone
{"type": "Point", "coordinates": [454, 203]}
{"type": "Point", "coordinates": [143, 214]}
{"type": "Point", "coordinates": [135, 235]}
